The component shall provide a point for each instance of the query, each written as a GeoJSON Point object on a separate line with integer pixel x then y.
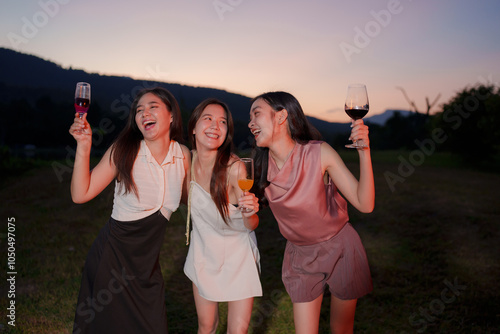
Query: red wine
{"type": "Point", "coordinates": [356, 113]}
{"type": "Point", "coordinates": [81, 105]}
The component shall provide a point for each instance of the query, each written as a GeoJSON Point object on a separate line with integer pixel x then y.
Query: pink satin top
{"type": "Point", "coordinates": [307, 210]}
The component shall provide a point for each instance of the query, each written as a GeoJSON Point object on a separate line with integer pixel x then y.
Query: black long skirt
{"type": "Point", "coordinates": [122, 289]}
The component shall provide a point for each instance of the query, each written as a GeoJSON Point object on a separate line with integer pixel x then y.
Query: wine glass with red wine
{"type": "Point", "coordinates": [82, 98]}
{"type": "Point", "coordinates": [356, 106]}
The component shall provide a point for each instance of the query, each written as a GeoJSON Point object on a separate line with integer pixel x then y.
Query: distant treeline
{"type": "Point", "coordinates": [36, 111]}
{"type": "Point", "coordinates": [468, 125]}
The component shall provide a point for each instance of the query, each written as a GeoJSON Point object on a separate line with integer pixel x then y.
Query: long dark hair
{"type": "Point", "coordinates": [299, 128]}
{"type": "Point", "coordinates": [218, 181]}
{"type": "Point", "coordinates": [126, 146]}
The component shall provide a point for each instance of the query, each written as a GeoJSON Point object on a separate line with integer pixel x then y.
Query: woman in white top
{"type": "Point", "coordinates": [122, 289]}
{"type": "Point", "coordinates": [223, 259]}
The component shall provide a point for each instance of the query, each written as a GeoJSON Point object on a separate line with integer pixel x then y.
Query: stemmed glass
{"type": "Point", "coordinates": [245, 177]}
{"type": "Point", "coordinates": [356, 106]}
{"type": "Point", "coordinates": [82, 98]}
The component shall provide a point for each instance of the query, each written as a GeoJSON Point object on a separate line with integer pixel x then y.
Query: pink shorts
{"type": "Point", "coordinates": [340, 262]}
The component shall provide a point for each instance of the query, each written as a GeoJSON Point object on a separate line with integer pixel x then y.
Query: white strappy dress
{"type": "Point", "coordinates": [223, 260]}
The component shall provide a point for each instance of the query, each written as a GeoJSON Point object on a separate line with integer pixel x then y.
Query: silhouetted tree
{"type": "Point", "coordinates": [471, 122]}
{"type": "Point", "coordinates": [413, 106]}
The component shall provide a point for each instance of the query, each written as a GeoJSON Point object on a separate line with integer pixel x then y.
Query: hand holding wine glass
{"type": "Point", "coordinates": [245, 177]}
{"type": "Point", "coordinates": [82, 98]}
{"type": "Point", "coordinates": [356, 106]}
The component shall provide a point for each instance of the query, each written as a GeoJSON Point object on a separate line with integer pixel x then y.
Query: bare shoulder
{"type": "Point", "coordinates": [233, 159]}
{"type": "Point", "coordinates": [328, 152]}
{"type": "Point", "coordinates": [187, 157]}
{"type": "Point", "coordinates": [233, 165]}
{"type": "Point", "coordinates": [186, 152]}
{"type": "Point", "coordinates": [329, 156]}
{"type": "Point", "coordinates": [325, 148]}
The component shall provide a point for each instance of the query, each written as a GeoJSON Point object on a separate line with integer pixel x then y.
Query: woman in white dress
{"type": "Point", "coordinates": [223, 259]}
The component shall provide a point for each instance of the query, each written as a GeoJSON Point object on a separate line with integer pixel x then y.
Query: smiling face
{"type": "Point", "coordinates": [153, 117]}
{"type": "Point", "coordinates": [262, 122]}
{"type": "Point", "coordinates": [211, 128]}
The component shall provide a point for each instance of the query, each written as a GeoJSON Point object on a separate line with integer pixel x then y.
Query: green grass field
{"type": "Point", "coordinates": [433, 243]}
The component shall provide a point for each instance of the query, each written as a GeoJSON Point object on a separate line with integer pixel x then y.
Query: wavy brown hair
{"type": "Point", "coordinates": [126, 146]}
{"type": "Point", "coordinates": [218, 181]}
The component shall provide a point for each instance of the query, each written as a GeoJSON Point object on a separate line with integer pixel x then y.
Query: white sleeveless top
{"type": "Point", "coordinates": [159, 185]}
{"type": "Point", "coordinates": [223, 260]}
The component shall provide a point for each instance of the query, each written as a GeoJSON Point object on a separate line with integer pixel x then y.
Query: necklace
{"type": "Point", "coordinates": [286, 159]}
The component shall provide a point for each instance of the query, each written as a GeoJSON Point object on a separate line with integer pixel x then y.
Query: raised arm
{"type": "Point", "coordinates": [361, 194]}
{"type": "Point", "coordinates": [87, 184]}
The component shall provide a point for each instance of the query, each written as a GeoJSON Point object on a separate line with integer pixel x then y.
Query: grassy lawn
{"type": "Point", "coordinates": [432, 242]}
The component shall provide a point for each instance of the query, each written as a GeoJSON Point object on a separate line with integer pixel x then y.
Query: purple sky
{"type": "Point", "coordinates": [312, 49]}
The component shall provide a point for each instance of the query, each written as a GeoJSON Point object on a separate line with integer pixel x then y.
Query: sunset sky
{"type": "Point", "coordinates": [312, 49]}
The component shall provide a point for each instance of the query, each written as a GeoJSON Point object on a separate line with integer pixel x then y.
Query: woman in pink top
{"type": "Point", "coordinates": [300, 178]}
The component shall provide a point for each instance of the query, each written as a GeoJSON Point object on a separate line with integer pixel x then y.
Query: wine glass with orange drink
{"type": "Point", "coordinates": [245, 177]}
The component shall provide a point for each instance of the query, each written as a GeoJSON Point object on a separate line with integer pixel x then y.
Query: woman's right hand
{"type": "Point", "coordinates": [80, 130]}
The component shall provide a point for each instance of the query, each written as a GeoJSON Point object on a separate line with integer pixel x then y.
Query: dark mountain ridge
{"type": "Point", "coordinates": [40, 93]}
{"type": "Point", "coordinates": [21, 70]}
